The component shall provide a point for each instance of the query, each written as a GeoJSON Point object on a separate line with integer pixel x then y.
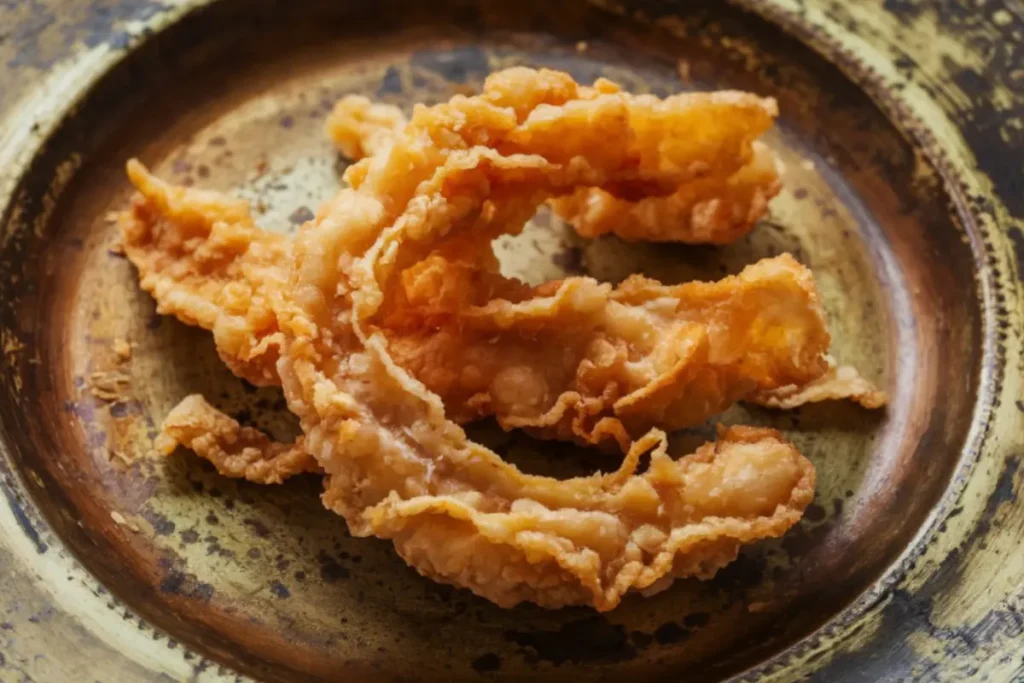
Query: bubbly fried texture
{"type": "Point", "coordinates": [715, 207]}
{"type": "Point", "coordinates": [201, 256]}
{"type": "Point", "coordinates": [583, 361]}
{"type": "Point", "coordinates": [395, 280]}
{"type": "Point", "coordinates": [838, 382]}
{"type": "Point", "coordinates": [236, 451]}
{"type": "Point", "coordinates": [361, 128]}
{"type": "Point", "coordinates": [397, 467]}
{"type": "Point", "coordinates": [575, 359]}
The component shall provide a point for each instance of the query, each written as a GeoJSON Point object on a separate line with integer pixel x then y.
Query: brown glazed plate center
{"type": "Point", "coordinates": [901, 137]}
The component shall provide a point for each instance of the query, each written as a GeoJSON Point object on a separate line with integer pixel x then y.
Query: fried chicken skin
{"type": "Point", "coordinates": [203, 259]}
{"type": "Point", "coordinates": [575, 360]}
{"type": "Point", "coordinates": [406, 250]}
{"type": "Point", "coordinates": [236, 451]}
{"type": "Point", "coordinates": [718, 205]}
{"type": "Point", "coordinates": [569, 358]}
{"type": "Point", "coordinates": [397, 467]}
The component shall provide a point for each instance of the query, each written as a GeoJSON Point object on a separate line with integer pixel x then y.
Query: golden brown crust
{"type": "Point", "coordinates": [718, 206]}
{"type": "Point", "coordinates": [236, 451]}
{"type": "Point", "coordinates": [201, 256]}
{"type": "Point", "coordinates": [837, 384]}
{"type": "Point", "coordinates": [395, 464]}
{"type": "Point", "coordinates": [398, 468]}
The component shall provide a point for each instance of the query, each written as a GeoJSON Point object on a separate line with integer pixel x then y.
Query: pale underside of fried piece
{"type": "Point", "coordinates": [236, 451]}
{"type": "Point", "coordinates": [398, 468]}
{"type": "Point", "coordinates": [716, 207]}
{"type": "Point", "coordinates": [838, 382]}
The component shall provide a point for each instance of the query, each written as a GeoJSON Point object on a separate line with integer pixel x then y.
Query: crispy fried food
{"type": "Point", "coordinates": [236, 451]}
{"type": "Point", "coordinates": [397, 467]}
{"type": "Point", "coordinates": [714, 210]}
{"type": "Point", "coordinates": [642, 354]}
{"type": "Point", "coordinates": [718, 206]}
{"type": "Point", "coordinates": [838, 382]}
{"type": "Point", "coordinates": [402, 259]}
{"type": "Point", "coordinates": [578, 360]}
{"type": "Point", "coordinates": [563, 360]}
{"type": "Point", "coordinates": [361, 128]}
{"type": "Point", "coordinates": [204, 260]}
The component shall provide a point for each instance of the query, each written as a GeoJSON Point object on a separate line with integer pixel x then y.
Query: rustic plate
{"type": "Point", "coordinates": [901, 136]}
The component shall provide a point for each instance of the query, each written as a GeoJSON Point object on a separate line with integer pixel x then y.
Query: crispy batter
{"type": "Point", "coordinates": [204, 260]}
{"type": "Point", "coordinates": [236, 451]}
{"type": "Point", "coordinates": [398, 468]}
{"type": "Point", "coordinates": [560, 361]}
{"type": "Point", "coordinates": [361, 128]}
{"type": "Point", "coordinates": [403, 258]}
{"type": "Point", "coordinates": [576, 353]}
{"type": "Point", "coordinates": [716, 207]}
{"type": "Point", "coordinates": [713, 210]}
{"type": "Point", "coordinates": [838, 383]}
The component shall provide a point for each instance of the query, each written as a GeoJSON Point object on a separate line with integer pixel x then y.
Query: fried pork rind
{"type": "Point", "coordinates": [201, 256]}
{"type": "Point", "coordinates": [716, 206]}
{"type": "Point", "coordinates": [575, 360]}
{"type": "Point", "coordinates": [397, 467]}
{"type": "Point", "coordinates": [407, 250]}
{"type": "Point", "coordinates": [838, 383]}
{"type": "Point", "coordinates": [236, 451]}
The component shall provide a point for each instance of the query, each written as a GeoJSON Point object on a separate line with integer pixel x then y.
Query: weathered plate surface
{"type": "Point", "coordinates": [137, 568]}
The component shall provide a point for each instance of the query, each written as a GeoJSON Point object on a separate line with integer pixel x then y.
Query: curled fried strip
{"type": "Point", "coordinates": [575, 360]}
{"type": "Point", "coordinates": [236, 451]}
{"type": "Point", "coordinates": [838, 382]}
{"type": "Point", "coordinates": [718, 206]}
{"type": "Point", "coordinates": [201, 256]}
{"type": "Point", "coordinates": [577, 353]}
{"type": "Point", "coordinates": [398, 468]}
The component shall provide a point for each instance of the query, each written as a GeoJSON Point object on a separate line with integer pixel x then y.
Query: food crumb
{"type": "Point", "coordinates": [582, 46]}
{"type": "Point", "coordinates": [107, 386]}
{"type": "Point", "coordinates": [683, 69]}
{"type": "Point", "coordinates": [807, 164]}
{"type": "Point", "coordinates": [121, 521]}
{"type": "Point", "coordinates": [757, 607]}
{"type": "Point", "coordinates": [120, 457]}
{"type": "Point", "coordinates": [122, 349]}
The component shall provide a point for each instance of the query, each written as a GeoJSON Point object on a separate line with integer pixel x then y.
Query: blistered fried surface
{"type": "Point", "coordinates": [575, 360]}
{"type": "Point", "coordinates": [203, 259]}
{"type": "Point", "coordinates": [837, 384]}
{"type": "Point", "coordinates": [716, 206]}
{"type": "Point", "coordinates": [236, 451]}
{"type": "Point", "coordinates": [584, 361]}
{"type": "Point", "coordinates": [399, 468]}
